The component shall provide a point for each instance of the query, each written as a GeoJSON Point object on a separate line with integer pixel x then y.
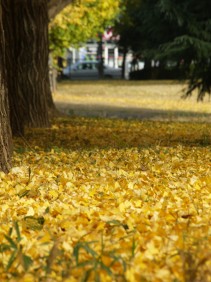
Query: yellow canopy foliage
{"type": "Point", "coordinates": [79, 22]}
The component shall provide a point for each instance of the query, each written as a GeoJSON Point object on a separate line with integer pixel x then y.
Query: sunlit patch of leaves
{"type": "Point", "coordinates": [108, 200]}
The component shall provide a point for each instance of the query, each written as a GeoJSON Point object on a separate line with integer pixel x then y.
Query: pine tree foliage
{"type": "Point", "coordinates": [193, 41]}
{"type": "Point", "coordinates": [173, 30]}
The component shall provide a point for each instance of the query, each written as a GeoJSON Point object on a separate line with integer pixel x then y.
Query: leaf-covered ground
{"type": "Point", "coordinates": [108, 200]}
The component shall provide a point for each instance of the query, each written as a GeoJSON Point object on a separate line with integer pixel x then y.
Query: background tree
{"type": "Point", "coordinates": [5, 133]}
{"type": "Point", "coordinates": [80, 22]}
{"type": "Point", "coordinates": [143, 28]}
{"type": "Point", "coordinates": [178, 31]}
{"type": "Point", "coordinates": [125, 28]}
{"type": "Point", "coordinates": [192, 42]}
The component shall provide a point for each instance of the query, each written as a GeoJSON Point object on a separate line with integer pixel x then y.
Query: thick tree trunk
{"type": "Point", "coordinates": [5, 133]}
{"type": "Point", "coordinates": [26, 30]}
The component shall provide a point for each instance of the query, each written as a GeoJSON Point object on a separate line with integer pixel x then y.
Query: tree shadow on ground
{"type": "Point", "coordinates": [126, 130]}
{"type": "Point", "coordinates": [86, 110]}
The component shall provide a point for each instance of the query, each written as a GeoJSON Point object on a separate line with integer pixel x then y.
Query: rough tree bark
{"type": "Point", "coordinates": [26, 30]}
{"type": "Point", "coordinates": [56, 6]}
{"type": "Point", "coordinates": [5, 133]}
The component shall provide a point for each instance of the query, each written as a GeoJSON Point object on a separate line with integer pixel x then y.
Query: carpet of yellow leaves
{"type": "Point", "coordinates": [108, 200]}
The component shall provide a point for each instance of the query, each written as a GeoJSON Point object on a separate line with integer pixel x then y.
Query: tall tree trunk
{"type": "Point", "coordinates": [5, 133]}
{"type": "Point", "coordinates": [26, 30]}
{"type": "Point", "coordinates": [100, 57]}
{"type": "Point", "coordinates": [125, 50]}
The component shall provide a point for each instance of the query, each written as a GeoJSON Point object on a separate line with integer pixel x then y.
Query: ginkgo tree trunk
{"type": "Point", "coordinates": [23, 68]}
{"type": "Point", "coordinates": [26, 33]}
{"type": "Point", "coordinates": [5, 133]}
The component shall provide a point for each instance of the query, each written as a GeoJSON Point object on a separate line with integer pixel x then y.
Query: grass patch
{"type": "Point", "coordinates": [131, 99]}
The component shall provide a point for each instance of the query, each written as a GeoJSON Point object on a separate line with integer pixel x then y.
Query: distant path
{"type": "Point", "coordinates": [130, 100]}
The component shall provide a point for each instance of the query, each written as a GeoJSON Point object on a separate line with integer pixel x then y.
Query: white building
{"type": "Point", "coordinates": [112, 56]}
